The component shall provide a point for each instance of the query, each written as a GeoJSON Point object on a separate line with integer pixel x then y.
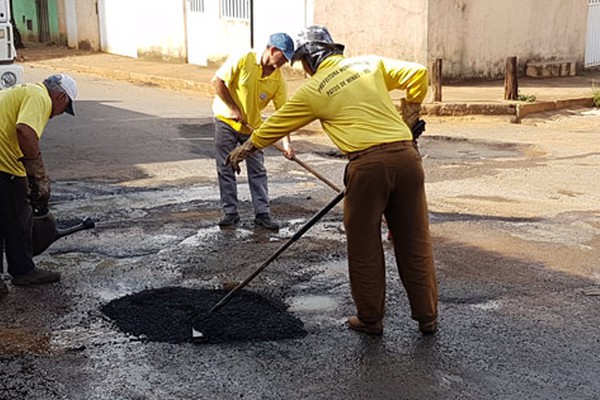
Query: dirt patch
{"type": "Point", "coordinates": [20, 341]}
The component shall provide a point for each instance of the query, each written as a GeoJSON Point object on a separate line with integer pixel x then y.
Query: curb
{"type": "Point", "coordinates": [531, 108]}
{"type": "Point", "coordinates": [515, 109]}
{"type": "Point", "coordinates": [138, 77]}
{"type": "Point", "coordinates": [458, 109]}
{"type": "Point", "coordinates": [161, 81]}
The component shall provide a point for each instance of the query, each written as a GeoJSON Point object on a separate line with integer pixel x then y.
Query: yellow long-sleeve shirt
{"type": "Point", "coordinates": [242, 75]}
{"type": "Point", "coordinates": [350, 97]}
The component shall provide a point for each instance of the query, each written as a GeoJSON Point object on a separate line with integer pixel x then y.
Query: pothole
{"type": "Point", "coordinates": [313, 303]}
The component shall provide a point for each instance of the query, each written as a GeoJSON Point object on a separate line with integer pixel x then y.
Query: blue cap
{"type": "Point", "coordinates": [284, 43]}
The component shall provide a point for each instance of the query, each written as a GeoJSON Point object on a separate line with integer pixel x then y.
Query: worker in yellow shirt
{"type": "Point", "coordinates": [244, 86]}
{"type": "Point", "coordinates": [384, 175]}
{"type": "Point", "coordinates": [24, 186]}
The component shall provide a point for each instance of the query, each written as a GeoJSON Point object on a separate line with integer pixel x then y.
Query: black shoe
{"type": "Point", "coordinates": [266, 222]}
{"type": "Point", "coordinates": [36, 276]}
{"type": "Point", "coordinates": [229, 219]}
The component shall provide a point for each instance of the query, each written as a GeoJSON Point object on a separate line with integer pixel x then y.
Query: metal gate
{"type": "Point", "coordinates": [115, 18]}
{"type": "Point", "coordinates": [592, 48]}
{"type": "Point", "coordinates": [198, 31]}
{"type": "Point", "coordinates": [43, 21]}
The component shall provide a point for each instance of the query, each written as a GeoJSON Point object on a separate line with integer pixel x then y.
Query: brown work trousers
{"type": "Point", "coordinates": [389, 180]}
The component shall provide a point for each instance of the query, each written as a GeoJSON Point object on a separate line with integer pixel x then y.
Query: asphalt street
{"type": "Point", "coordinates": [515, 220]}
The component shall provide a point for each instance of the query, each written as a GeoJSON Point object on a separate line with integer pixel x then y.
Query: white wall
{"type": "Point", "coordinates": [271, 16]}
{"type": "Point", "coordinates": [162, 34]}
{"type": "Point", "coordinates": [229, 36]}
{"type": "Point", "coordinates": [147, 28]}
{"type": "Point", "coordinates": [116, 33]}
{"type": "Point", "coordinates": [71, 23]}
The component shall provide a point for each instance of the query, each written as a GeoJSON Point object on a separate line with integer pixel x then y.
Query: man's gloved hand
{"type": "Point", "coordinates": [239, 154]}
{"type": "Point", "coordinates": [288, 151]}
{"type": "Point", "coordinates": [418, 129]}
{"type": "Point", "coordinates": [411, 113]}
{"type": "Point", "coordinates": [39, 185]}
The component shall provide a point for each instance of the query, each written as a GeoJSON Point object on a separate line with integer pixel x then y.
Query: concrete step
{"type": "Point", "coordinates": [545, 69]}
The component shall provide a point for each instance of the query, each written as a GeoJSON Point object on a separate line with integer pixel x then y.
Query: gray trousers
{"type": "Point", "coordinates": [227, 139]}
{"type": "Point", "coordinates": [16, 224]}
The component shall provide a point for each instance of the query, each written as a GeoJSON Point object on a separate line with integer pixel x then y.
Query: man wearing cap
{"type": "Point", "coordinates": [384, 175]}
{"type": "Point", "coordinates": [244, 85]}
{"type": "Point", "coordinates": [24, 186]}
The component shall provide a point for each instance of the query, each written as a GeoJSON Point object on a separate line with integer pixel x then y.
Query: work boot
{"type": "Point", "coordinates": [373, 328]}
{"type": "Point", "coordinates": [428, 328]}
{"type": "Point", "coordinates": [229, 219]}
{"type": "Point", "coordinates": [36, 276]}
{"type": "Point", "coordinates": [266, 222]}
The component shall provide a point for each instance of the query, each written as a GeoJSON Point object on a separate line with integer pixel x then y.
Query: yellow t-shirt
{"type": "Point", "coordinates": [28, 104]}
{"type": "Point", "coordinates": [242, 76]}
{"type": "Point", "coordinates": [350, 96]}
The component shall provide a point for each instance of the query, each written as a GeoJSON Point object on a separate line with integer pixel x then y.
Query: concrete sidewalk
{"type": "Point", "coordinates": [465, 98]}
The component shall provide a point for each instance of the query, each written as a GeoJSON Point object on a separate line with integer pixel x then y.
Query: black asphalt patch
{"type": "Point", "coordinates": [168, 314]}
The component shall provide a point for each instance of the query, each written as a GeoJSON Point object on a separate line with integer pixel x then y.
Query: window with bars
{"type": "Point", "coordinates": [235, 9]}
{"type": "Point", "coordinates": [196, 6]}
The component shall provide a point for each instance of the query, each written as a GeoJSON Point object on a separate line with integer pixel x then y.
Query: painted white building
{"type": "Point", "coordinates": [194, 31]}
{"type": "Point", "coordinates": [472, 37]}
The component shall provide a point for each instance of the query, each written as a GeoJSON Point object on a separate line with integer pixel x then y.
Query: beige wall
{"type": "Point", "coordinates": [474, 37]}
{"type": "Point", "coordinates": [78, 23]}
{"type": "Point", "coordinates": [390, 28]}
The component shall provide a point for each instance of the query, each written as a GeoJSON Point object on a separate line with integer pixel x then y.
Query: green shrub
{"type": "Point", "coordinates": [596, 95]}
{"type": "Point", "coordinates": [528, 99]}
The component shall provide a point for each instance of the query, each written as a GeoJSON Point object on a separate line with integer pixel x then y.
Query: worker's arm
{"type": "Point", "coordinates": [293, 115]}
{"type": "Point", "coordinates": [279, 100]}
{"type": "Point", "coordinates": [408, 76]}
{"type": "Point", "coordinates": [28, 141]}
{"type": "Point", "coordinates": [413, 78]}
{"type": "Point", "coordinates": [39, 185]}
{"type": "Point", "coordinates": [222, 91]}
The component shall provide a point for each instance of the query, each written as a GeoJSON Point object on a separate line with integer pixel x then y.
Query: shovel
{"type": "Point", "coordinates": [198, 335]}
{"type": "Point", "coordinates": [309, 169]}
{"type": "Point", "coordinates": [45, 231]}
